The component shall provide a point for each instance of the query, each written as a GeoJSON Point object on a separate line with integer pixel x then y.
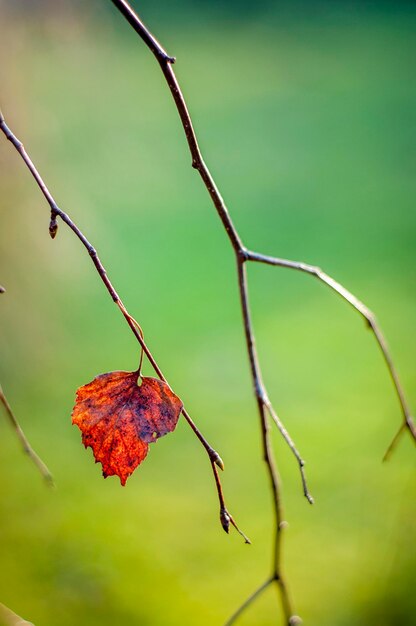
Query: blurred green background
{"type": "Point", "coordinates": [306, 114]}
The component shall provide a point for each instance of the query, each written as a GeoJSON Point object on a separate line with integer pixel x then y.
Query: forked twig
{"type": "Point", "coordinates": [213, 455]}
{"type": "Point", "coordinates": [27, 448]}
{"type": "Point", "coordinates": [370, 320]}
{"type": "Point", "coordinates": [243, 255]}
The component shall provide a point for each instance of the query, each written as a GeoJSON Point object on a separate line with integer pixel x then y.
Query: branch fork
{"type": "Point", "coordinates": [243, 255]}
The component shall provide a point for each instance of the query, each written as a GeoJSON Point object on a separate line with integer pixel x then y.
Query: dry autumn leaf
{"type": "Point", "coordinates": [119, 414]}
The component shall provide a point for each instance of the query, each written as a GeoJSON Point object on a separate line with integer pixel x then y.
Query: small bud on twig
{"type": "Point", "coordinates": [225, 520]}
{"type": "Point", "coordinates": [218, 461]}
{"type": "Point", "coordinates": [53, 226]}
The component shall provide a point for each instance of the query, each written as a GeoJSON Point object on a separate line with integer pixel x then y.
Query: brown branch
{"type": "Point", "coordinates": [370, 320]}
{"type": "Point", "coordinates": [249, 601]}
{"type": "Point", "coordinates": [225, 517]}
{"type": "Point", "coordinates": [263, 402]}
{"type": "Point", "coordinates": [213, 455]}
{"type": "Point", "coordinates": [27, 448]}
{"type": "Point", "coordinates": [242, 255]}
{"type": "Point", "coordinates": [294, 620]}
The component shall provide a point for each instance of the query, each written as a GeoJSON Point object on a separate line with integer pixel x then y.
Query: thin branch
{"type": "Point", "coordinates": [249, 601]}
{"type": "Point", "coordinates": [225, 517]}
{"type": "Point", "coordinates": [268, 457]}
{"type": "Point", "coordinates": [282, 429]}
{"type": "Point", "coordinates": [370, 319]}
{"type": "Point", "coordinates": [242, 255]}
{"type": "Point", "coordinates": [165, 62]}
{"type": "Point", "coordinates": [294, 620]}
{"type": "Point", "coordinates": [213, 455]}
{"type": "Point", "coordinates": [27, 448]}
{"type": "Point", "coordinates": [394, 441]}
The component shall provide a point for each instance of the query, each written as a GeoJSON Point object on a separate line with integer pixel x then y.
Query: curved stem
{"type": "Point", "coordinates": [213, 455]}
{"type": "Point", "coordinates": [370, 320]}
{"type": "Point", "coordinates": [27, 448]}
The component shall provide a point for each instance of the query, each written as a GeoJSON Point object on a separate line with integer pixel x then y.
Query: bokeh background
{"type": "Point", "coordinates": [306, 114]}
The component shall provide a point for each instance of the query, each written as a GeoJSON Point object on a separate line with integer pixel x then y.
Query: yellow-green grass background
{"type": "Point", "coordinates": [306, 115]}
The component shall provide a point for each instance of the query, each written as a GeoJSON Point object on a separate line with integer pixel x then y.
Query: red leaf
{"type": "Point", "coordinates": [118, 418]}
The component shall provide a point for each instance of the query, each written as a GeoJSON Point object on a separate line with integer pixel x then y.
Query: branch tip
{"type": "Point", "coordinates": [53, 227]}
{"type": "Point", "coordinates": [218, 460]}
{"type": "Point", "coordinates": [244, 536]}
{"type": "Point", "coordinates": [281, 427]}
{"type": "Point", "coordinates": [407, 424]}
{"type": "Point", "coordinates": [225, 519]}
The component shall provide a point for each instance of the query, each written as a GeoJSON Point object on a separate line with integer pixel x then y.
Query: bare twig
{"type": "Point", "coordinates": [242, 256]}
{"type": "Point", "coordinates": [27, 448]}
{"type": "Point", "coordinates": [213, 455]}
{"type": "Point", "coordinates": [253, 596]}
{"type": "Point", "coordinates": [370, 320]}
{"type": "Point", "coordinates": [291, 445]}
{"type": "Point", "coordinates": [225, 517]}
